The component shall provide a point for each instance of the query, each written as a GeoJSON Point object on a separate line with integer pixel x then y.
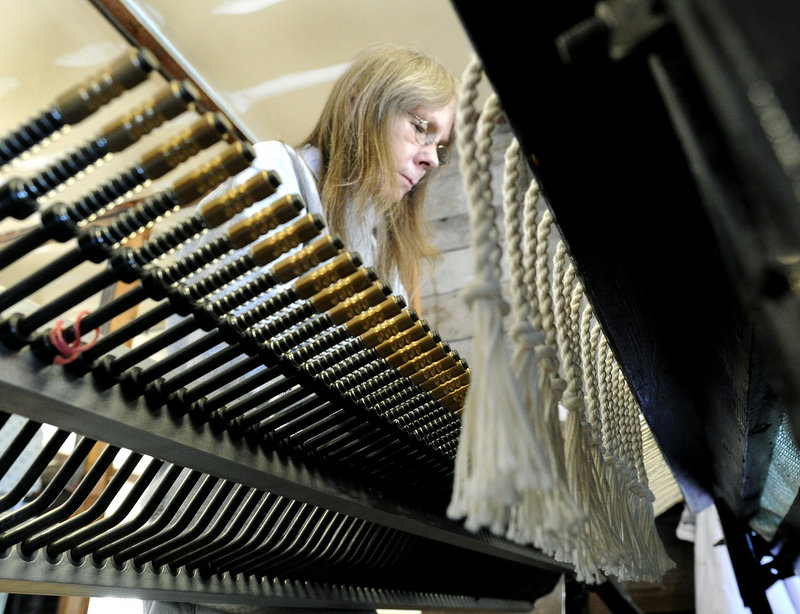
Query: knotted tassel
{"type": "Point", "coordinates": [498, 456]}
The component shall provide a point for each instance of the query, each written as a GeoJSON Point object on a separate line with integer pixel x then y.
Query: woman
{"type": "Point", "coordinates": [364, 167]}
{"type": "Point", "coordinates": [385, 127]}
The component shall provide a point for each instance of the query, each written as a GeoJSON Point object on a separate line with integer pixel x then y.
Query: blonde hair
{"type": "Point", "coordinates": [353, 136]}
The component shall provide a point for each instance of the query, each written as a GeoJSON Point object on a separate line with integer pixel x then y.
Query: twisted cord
{"type": "Point", "coordinates": [553, 387]}
{"type": "Point", "coordinates": [528, 520]}
{"type": "Point", "coordinates": [496, 458]}
{"type": "Point", "coordinates": [600, 544]}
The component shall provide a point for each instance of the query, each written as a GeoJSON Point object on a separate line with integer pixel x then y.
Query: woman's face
{"type": "Point", "coordinates": [415, 137]}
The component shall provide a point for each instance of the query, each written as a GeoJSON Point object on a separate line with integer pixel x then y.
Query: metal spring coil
{"type": "Point", "coordinates": [36, 130]}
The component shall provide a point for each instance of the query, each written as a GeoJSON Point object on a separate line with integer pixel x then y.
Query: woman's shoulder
{"type": "Point", "coordinates": [296, 171]}
{"type": "Point", "coordinates": [269, 151]}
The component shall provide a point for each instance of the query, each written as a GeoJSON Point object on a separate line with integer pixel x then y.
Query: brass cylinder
{"type": "Point", "coordinates": [410, 351]}
{"type": "Point", "coordinates": [123, 74]}
{"type": "Point", "coordinates": [433, 369]}
{"type": "Point", "coordinates": [434, 380]}
{"type": "Point", "coordinates": [170, 102]}
{"type": "Point", "coordinates": [203, 133]}
{"type": "Point", "coordinates": [454, 401]}
{"type": "Point", "coordinates": [404, 321]}
{"type": "Point", "coordinates": [375, 294]}
{"type": "Point", "coordinates": [373, 316]}
{"type": "Point", "coordinates": [318, 251]}
{"type": "Point", "coordinates": [458, 384]}
{"type": "Point", "coordinates": [343, 289]}
{"type": "Point", "coordinates": [277, 244]}
{"type": "Point", "coordinates": [258, 187]}
{"type": "Point", "coordinates": [233, 160]}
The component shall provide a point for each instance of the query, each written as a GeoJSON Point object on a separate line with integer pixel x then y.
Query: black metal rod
{"type": "Point", "coordinates": [243, 405]}
{"type": "Point", "coordinates": [51, 492]}
{"type": "Point", "coordinates": [222, 378]}
{"type": "Point", "coordinates": [101, 546]}
{"type": "Point", "coordinates": [208, 532]}
{"type": "Point", "coordinates": [159, 555]}
{"type": "Point", "coordinates": [59, 529]}
{"type": "Point", "coordinates": [65, 509]}
{"type": "Point", "coordinates": [181, 512]}
{"type": "Point", "coordinates": [79, 102]}
{"type": "Point", "coordinates": [240, 393]}
{"type": "Point", "coordinates": [123, 544]}
{"type": "Point", "coordinates": [49, 450]}
{"type": "Point", "coordinates": [40, 278]}
{"type": "Point", "coordinates": [241, 529]}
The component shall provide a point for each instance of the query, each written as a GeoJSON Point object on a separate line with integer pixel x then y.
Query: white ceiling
{"type": "Point", "coordinates": [268, 63]}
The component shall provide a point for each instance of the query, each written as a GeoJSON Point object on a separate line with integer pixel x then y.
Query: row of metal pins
{"type": "Point", "coordinates": [250, 346]}
{"type": "Point", "coordinates": [226, 329]}
{"type": "Point", "coordinates": [231, 327]}
{"type": "Point", "coordinates": [157, 284]}
{"type": "Point", "coordinates": [360, 350]}
{"type": "Point", "coordinates": [369, 405]}
{"type": "Point", "coordinates": [113, 138]}
{"type": "Point", "coordinates": [385, 348]}
{"type": "Point", "coordinates": [79, 102]}
{"type": "Point", "coordinates": [61, 222]}
{"type": "Point", "coordinates": [357, 302]}
{"type": "Point", "coordinates": [95, 243]}
{"type": "Point", "coordinates": [423, 379]}
{"type": "Point", "coordinates": [207, 524]}
{"type": "Point", "coordinates": [128, 264]}
{"type": "Point", "coordinates": [178, 303]}
{"type": "Point", "coordinates": [233, 412]}
{"type": "Point", "coordinates": [99, 243]}
{"type": "Point", "coordinates": [406, 365]}
{"type": "Point", "coordinates": [424, 385]}
{"type": "Point", "coordinates": [352, 326]}
{"type": "Point", "coordinates": [341, 440]}
{"type": "Point", "coordinates": [251, 342]}
{"type": "Point", "coordinates": [103, 243]}
{"type": "Point", "coordinates": [216, 409]}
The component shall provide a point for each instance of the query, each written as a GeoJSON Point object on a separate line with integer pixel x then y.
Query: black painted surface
{"type": "Point", "coordinates": [615, 176]}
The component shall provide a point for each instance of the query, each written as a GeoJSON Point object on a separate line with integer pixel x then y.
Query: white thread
{"type": "Point", "coordinates": [496, 459]}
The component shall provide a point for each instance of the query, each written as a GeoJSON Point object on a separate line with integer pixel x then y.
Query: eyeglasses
{"type": "Point", "coordinates": [426, 138]}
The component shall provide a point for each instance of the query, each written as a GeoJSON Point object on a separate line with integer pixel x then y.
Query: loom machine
{"type": "Point", "coordinates": [308, 462]}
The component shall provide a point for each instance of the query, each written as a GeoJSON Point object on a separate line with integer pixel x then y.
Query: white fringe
{"type": "Point", "coordinates": [579, 493]}
{"type": "Point", "coordinates": [498, 456]}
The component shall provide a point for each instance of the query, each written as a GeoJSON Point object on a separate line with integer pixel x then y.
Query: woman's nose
{"type": "Point", "coordinates": [429, 156]}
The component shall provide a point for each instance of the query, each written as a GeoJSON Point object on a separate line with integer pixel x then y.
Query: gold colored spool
{"type": "Point", "coordinates": [432, 383]}
{"type": "Point", "coordinates": [374, 316]}
{"type": "Point", "coordinates": [403, 328]}
{"type": "Point", "coordinates": [433, 369]}
{"type": "Point", "coordinates": [374, 295]}
{"type": "Point", "coordinates": [417, 355]}
{"type": "Point", "coordinates": [205, 132]}
{"type": "Point", "coordinates": [280, 242]}
{"type": "Point", "coordinates": [123, 74]}
{"type": "Point", "coordinates": [340, 290]}
{"type": "Point", "coordinates": [312, 282]}
{"type": "Point", "coordinates": [318, 251]}
{"type": "Point", "coordinates": [233, 160]}
{"type": "Point", "coordinates": [170, 102]}
{"type": "Point", "coordinates": [255, 189]}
